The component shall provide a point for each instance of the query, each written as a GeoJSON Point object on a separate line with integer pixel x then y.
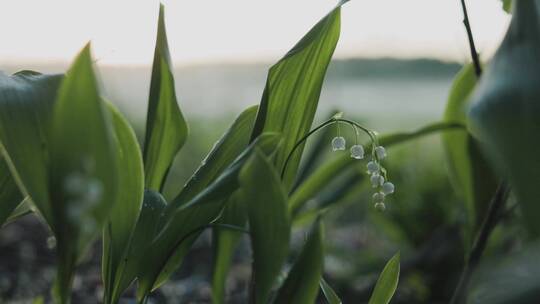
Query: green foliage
{"type": "Point", "coordinates": [181, 227]}
{"type": "Point", "coordinates": [302, 283]}
{"type": "Point", "coordinates": [233, 142]}
{"type": "Point", "coordinates": [10, 196]}
{"type": "Point", "coordinates": [504, 113]}
{"type": "Point", "coordinates": [28, 97]}
{"type": "Point", "coordinates": [469, 172]}
{"type": "Point", "coordinates": [387, 282]}
{"type": "Point", "coordinates": [145, 230]}
{"type": "Point", "coordinates": [125, 211]}
{"type": "Point", "coordinates": [225, 242]}
{"type": "Point", "coordinates": [323, 175]}
{"type": "Point", "coordinates": [269, 223]}
{"type": "Point", "coordinates": [293, 87]}
{"type": "Point", "coordinates": [514, 278]}
{"type": "Point", "coordinates": [73, 159]}
{"type": "Point", "coordinates": [329, 293]}
{"type": "Point", "coordinates": [166, 129]}
{"type": "Point", "coordinates": [507, 5]}
{"type": "Point", "coordinates": [83, 174]}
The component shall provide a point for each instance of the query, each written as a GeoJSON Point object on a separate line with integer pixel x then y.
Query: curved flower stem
{"type": "Point", "coordinates": [489, 223]}
{"type": "Point", "coordinates": [474, 53]}
{"type": "Point", "coordinates": [355, 125]}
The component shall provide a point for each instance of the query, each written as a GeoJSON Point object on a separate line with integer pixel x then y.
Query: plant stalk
{"type": "Point", "coordinates": [489, 223]}
{"type": "Point", "coordinates": [474, 53]}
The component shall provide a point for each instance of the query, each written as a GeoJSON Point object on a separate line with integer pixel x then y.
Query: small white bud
{"type": "Point", "coordinates": [380, 207]}
{"type": "Point", "coordinates": [357, 152]}
{"type": "Point", "coordinates": [388, 188]}
{"type": "Point", "coordinates": [378, 197]}
{"type": "Point", "coordinates": [380, 152]}
{"type": "Point", "coordinates": [51, 242]}
{"type": "Point", "coordinates": [75, 184]}
{"type": "Point", "coordinates": [376, 180]}
{"type": "Point", "coordinates": [338, 143]}
{"type": "Point", "coordinates": [372, 167]}
{"type": "Point", "coordinates": [94, 191]}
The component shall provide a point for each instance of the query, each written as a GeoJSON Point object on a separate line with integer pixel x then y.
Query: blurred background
{"type": "Point", "coordinates": [392, 71]}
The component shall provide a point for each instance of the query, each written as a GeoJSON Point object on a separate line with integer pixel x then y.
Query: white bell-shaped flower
{"type": "Point", "coordinates": [357, 152]}
{"type": "Point", "coordinates": [380, 206]}
{"type": "Point", "coordinates": [376, 180]}
{"type": "Point", "coordinates": [338, 143]}
{"type": "Point", "coordinates": [388, 188]}
{"type": "Point", "coordinates": [372, 167]}
{"type": "Point", "coordinates": [378, 197]}
{"type": "Point", "coordinates": [380, 151]}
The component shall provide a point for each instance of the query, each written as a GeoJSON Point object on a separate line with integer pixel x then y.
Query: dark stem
{"type": "Point", "coordinates": [489, 223]}
{"type": "Point", "coordinates": [474, 53]}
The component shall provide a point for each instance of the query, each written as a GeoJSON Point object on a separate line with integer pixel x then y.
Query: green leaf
{"type": "Point", "coordinates": [182, 225]}
{"type": "Point", "coordinates": [83, 167]}
{"type": "Point", "coordinates": [10, 195]}
{"type": "Point", "coordinates": [233, 142]}
{"type": "Point", "coordinates": [468, 170]}
{"type": "Point", "coordinates": [26, 102]}
{"type": "Point", "coordinates": [124, 213]}
{"type": "Point", "coordinates": [302, 283]}
{"type": "Point", "coordinates": [507, 6]}
{"type": "Point", "coordinates": [322, 176]}
{"type": "Point", "coordinates": [315, 154]}
{"type": "Point", "coordinates": [224, 243]}
{"type": "Point", "coordinates": [269, 224]}
{"type": "Point", "coordinates": [24, 208]}
{"type": "Point", "coordinates": [166, 129]}
{"type": "Point", "coordinates": [293, 88]}
{"type": "Point", "coordinates": [225, 151]}
{"type": "Point", "coordinates": [387, 282]}
{"type": "Point", "coordinates": [329, 293]}
{"type": "Point", "coordinates": [146, 229]}
{"type": "Point", "coordinates": [504, 110]}
{"type": "Point", "coordinates": [510, 278]}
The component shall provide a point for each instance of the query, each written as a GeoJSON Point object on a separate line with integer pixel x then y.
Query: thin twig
{"type": "Point", "coordinates": [489, 223]}
{"type": "Point", "coordinates": [474, 53]}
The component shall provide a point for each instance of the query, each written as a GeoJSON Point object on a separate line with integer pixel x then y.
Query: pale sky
{"type": "Point", "coordinates": [123, 32]}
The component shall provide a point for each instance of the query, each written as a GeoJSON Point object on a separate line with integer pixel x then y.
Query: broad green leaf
{"type": "Point", "coordinates": [293, 88]}
{"type": "Point", "coordinates": [166, 129]}
{"type": "Point", "coordinates": [83, 167]}
{"type": "Point", "coordinates": [26, 102]}
{"type": "Point", "coordinates": [224, 243]}
{"type": "Point", "coordinates": [10, 195]}
{"type": "Point", "coordinates": [510, 278]}
{"type": "Point", "coordinates": [468, 170]}
{"type": "Point", "coordinates": [333, 197]}
{"type": "Point", "coordinates": [224, 152]}
{"type": "Point", "coordinates": [124, 213]}
{"type": "Point", "coordinates": [269, 224]}
{"type": "Point", "coordinates": [146, 229]}
{"type": "Point", "coordinates": [322, 176]}
{"type": "Point", "coordinates": [24, 208]}
{"type": "Point", "coordinates": [329, 293]}
{"type": "Point", "coordinates": [182, 226]}
{"type": "Point", "coordinates": [233, 142]}
{"type": "Point", "coordinates": [504, 110]}
{"type": "Point", "coordinates": [387, 282]}
{"type": "Point", "coordinates": [302, 283]}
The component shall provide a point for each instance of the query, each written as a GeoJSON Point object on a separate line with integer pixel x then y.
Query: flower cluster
{"type": "Point", "coordinates": [377, 173]}
{"type": "Point", "coordinates": [378, 178]}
